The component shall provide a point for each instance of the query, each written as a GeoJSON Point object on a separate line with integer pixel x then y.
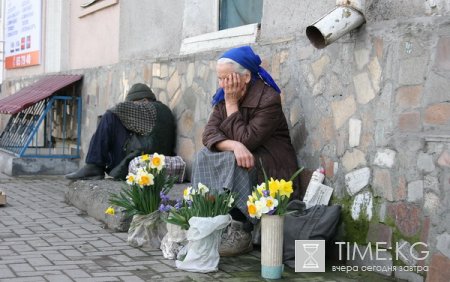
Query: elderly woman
{"type": "Point", "coordinates": [247, 125]}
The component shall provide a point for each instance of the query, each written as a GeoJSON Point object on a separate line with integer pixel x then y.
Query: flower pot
{"type": "Point", "coordinates": [201, 254]}
{"type": "Point", "coordinates": [272, 246]}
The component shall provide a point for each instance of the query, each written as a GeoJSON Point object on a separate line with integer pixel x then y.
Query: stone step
{"type": "Point", "coordinates": [91, 196]}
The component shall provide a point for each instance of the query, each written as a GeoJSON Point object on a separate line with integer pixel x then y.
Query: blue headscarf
{"type": "Point", "coordinates": [249, 60]}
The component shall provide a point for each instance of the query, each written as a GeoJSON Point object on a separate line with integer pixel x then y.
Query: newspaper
{"type": "Point", "coordinates": [317, 194]}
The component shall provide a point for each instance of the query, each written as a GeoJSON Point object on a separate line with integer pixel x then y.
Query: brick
{"type": "Point", "coordinates": [409, 122]}
{"type": "Point", "coordinates": [438, 114]}
{"type": "Point", "coordinates": [439, 269]}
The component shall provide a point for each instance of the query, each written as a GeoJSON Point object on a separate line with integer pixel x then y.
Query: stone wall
{"type": "Point", "coordinates": [372, 108]}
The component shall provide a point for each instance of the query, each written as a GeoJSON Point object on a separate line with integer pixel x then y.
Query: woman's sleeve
{"type": "Point", "coordinates": [212, 133]}
{"type": "Point", "coordinates": [263, 123]}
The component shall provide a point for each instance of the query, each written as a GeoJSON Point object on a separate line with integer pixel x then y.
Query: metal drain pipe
{"type": "Point", "coordinates": [346, 16]}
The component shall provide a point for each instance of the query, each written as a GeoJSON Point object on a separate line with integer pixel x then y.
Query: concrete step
{"type": "Point", "coordinates": [92, 197]}
{"type": "Point", "coordinates": [14, 166]}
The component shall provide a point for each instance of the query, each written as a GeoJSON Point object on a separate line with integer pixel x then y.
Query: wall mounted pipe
{"type": "Point", "coordinates": [346, 16]}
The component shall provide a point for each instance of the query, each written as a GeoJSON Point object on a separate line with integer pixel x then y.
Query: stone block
{"type": "Point", "coordinates": [327, 129]}
{"type": "Point", "coordinates": [407, 253]}
{"type": "Point", "coordinates": [444, 159]}
{"type": "Point", "coordinates": [343, 110]}
{"type": "Point", "coordinates": [425, 162]}
{"type": "Point", "coordinates": [362, 58]}
{"type": "Point", "coordinates": [401, 191]}
{"type": "Point", "coordinates": [319, 65]}
{"type": "Point", "coordinates": [409, 96]}
{"type": "Point", "coordinates": [363, 88]}
{"type": "Point", "coordinates": [186, 123]}
{"type": "Point", "coordinates": [442, 60]}
{"type": "Point", "coordinates": [432, 203]}
{"type": "Point", "coordinates": [357, 180]}
{"type": "Point", "coordinates": [173, 85]}
{"type": "Point", "coordinates": [436, 89]}
{"type": "Point", "coordinates": [412, 70]}
{"type": "Point", "coordinates": [353, 159]}
{"type": "Point", "coordinates": [305, 52]}
{"type": "Point", "coordinates": [385, 158]}
{"type": "Point", "coordinates": [407, 217]}
{"type": "Point", "coordinates": [378, 45]}
{"type": "Point", "coordinates": [439, 269]}
{"type": "Point", "coordinates": [408, 276]}
{"type": "Point", "coordinates": [438, 114]}
{"type": "Point", "coordinates": [380, 233]}
{"type": "Point", "coordinates": [362, 203]}
{"type": "Point", "coordinates": [415, 191]}
{"type": "Point", "coordinates": [354, 132]}
{"type": "Point", "coordinates": [384, 261]}
{"type": "Point", "coordinates": [156, 70]}
{"type": "Point", "coordinates": [375, 74]}
{"type": "Point", "coordinates": [443, 244]}
{"type": "Point", "coordinates": [409, 122]}
{"type": "Point", "coordinates": [382, 185]}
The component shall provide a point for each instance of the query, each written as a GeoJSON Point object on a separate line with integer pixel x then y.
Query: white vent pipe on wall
{"type": "Point", "coordinates": [346, 16]}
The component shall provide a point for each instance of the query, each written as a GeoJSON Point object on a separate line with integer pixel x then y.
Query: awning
{"type": "Point", "coordinates": [36, 92]}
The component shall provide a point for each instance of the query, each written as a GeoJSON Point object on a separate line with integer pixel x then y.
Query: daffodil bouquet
{"type": "Point", "coordinates": [200, 202]}
{"type": "Point", "coordinates": [142, 196]}
{"type": "Point", "coordinates": [271, 196]}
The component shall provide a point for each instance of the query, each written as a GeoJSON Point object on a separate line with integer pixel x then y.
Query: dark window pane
{"type": "Point", "coordinates": [235, 13]}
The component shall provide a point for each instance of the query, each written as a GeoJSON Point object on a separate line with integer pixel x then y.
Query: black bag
{"type": "Point", "coordinates": [316, 223]}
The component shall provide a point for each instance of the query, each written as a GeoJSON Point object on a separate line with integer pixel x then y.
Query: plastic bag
{"type": "Point", "coordinates": [202, 251]}
{"type": "Point", "coordinates": [147, 230]}
{"type": "Point", "coordinates": [173, 241]}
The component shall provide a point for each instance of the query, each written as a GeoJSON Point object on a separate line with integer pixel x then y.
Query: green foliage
{"type": "Point", "coordinates": [200, 203]}
{"type": "Point", "coordinates": [142, 196]}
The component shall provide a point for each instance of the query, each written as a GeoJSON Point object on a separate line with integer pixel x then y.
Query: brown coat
{"type": "Point", "coordinates": [261, 126]}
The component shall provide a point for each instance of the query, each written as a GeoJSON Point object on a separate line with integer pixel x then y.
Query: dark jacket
{"type": "Point", "coordinates": [261, 126]}
{"type": "Point", "coordinates": [161, 140]}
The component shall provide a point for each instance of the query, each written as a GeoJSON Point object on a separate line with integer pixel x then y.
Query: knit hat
{"type": "Point", "coordinates": [140, 91]}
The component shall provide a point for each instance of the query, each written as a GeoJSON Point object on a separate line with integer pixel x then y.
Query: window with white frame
{"type": "Point", "coordinates": [234, 13]}
{"type": "Point", "coordinates": [219, 24]}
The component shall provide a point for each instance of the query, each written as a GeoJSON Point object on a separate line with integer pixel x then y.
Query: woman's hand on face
{"type": "Point", "coordinates": [234, 88]}
{"type": "Point", "coordinates": [243, 156]}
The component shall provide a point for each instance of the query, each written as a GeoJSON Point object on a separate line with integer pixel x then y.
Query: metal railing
{"type": "Point", "coordinates": [50, 128]}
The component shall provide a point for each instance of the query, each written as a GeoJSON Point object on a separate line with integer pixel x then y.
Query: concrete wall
{"type": "Point", "coordinates": [150, 28]}
{"type": "Point", "coordinates": [94, 37]}
{"type": "Point", "coordinates": [372, 108]}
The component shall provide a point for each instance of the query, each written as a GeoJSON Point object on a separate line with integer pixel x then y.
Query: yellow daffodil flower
{"type": "Point", "coordinates": [202, 188]}
{"type": "Point", "coordinates": [251, 207]}
{"type": "Point", "coordinates": [230, 203]}
{"type": "Point", "coordinates": [131, 178]}
{"type": "Point", "coordinates": [110, 211]}
{"type": "Point", "coordinates": [285, 188]}
{"type": "Point", "coordinates": [145, 179]}
{"type": "Point", "coordinates": [271, 203]}
{"type": "Point", "coordinates": [158, 161]}
{"type": "Point", "coordinates": [273, 187]}
{"type": "Point", "coordinates": [145, 157]}
{"type": "Point", "coordinates": [187, 193]}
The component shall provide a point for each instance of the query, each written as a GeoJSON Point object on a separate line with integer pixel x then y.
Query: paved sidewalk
{"type": "Point", "coordinates": [44, 239]}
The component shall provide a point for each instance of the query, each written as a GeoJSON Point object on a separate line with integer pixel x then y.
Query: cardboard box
{"type": "Point", "coordinates": [2, 198]}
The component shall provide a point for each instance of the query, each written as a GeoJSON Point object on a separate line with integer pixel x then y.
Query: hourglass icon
{"type": "Point", "coordinates": [310, 249]}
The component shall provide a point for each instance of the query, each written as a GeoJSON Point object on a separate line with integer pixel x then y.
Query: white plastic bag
{"type": "Point", "coordinates": [202, 251]}
{"type": "Point", "coordinates": [173, 241]}
{"type": "Point", "coordinates": [147, 230]}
